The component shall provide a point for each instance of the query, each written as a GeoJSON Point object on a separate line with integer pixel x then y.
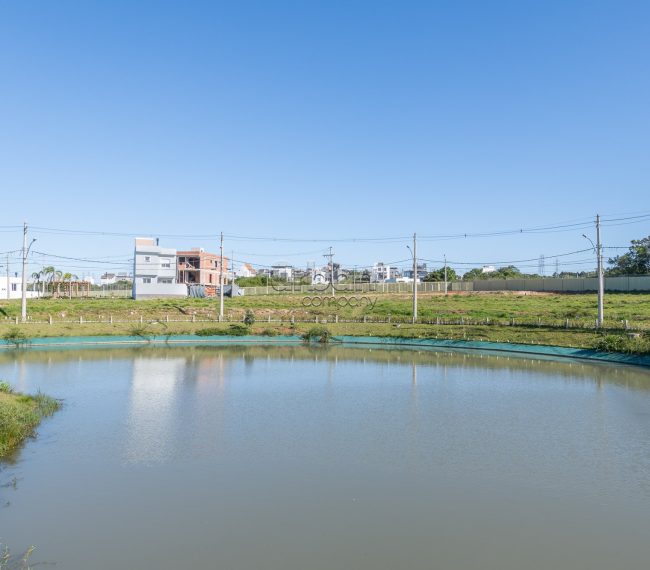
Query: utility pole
{"type": "Point", "coordinates": [445, 274]}
{"type": "Point", "coordinates": [330, 256]}
{"type": "Point", "coordinates": [8, 288]}
{"type": "Point", "coordinates": [601, 276]}
{"type": "Point", "coordinates": [221, 282]}
{"type": "Point", "coordinates": [23, 304]}
{"type": "Point", "coordinates": [415, 280]}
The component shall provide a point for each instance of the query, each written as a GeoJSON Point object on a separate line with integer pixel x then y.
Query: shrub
{"type": "Point", "coordinates": [269, 332]}
{"type": "Point", "coordinates": [232, 330]}
{"type": "Point", "coordinates": [249, 318]}
{"type": "Point", "coordinates": [6, 388]}
{"type": "Point", "coordinates": [15, 336]}
{"type": "Point", "coordinates": [238, 330]}
{"type": "Point", "coordinates": [625, 344]}
{"type": "Point", "coordinates": [319, 333]}
{"type": "Point", "coordinates": [140, 331]}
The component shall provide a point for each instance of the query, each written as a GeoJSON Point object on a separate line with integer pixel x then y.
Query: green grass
{"type": "Point", "coordinates": [537, 318]}
{"type": "Point", "coordinates": [20, 414]}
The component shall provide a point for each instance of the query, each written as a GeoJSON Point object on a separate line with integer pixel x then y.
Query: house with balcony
{"type": "Point", "coordinates": [382, 273]}
{"type": "Point", "coordinates": [154, 271]}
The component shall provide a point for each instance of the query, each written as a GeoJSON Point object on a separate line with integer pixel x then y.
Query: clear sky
{"type": "Point", "coordinates": [322, 120]}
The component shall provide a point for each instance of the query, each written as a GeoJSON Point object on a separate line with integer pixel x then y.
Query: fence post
{"type": "Point", "coordinates": [16, 320]}
{"type": "Point", "coordinates": [166, 318]}
{"type": "Point", "coordinates": [193, 317]}
{"type": "Point", "coordinates": [50, 318]}
{"type": "Point", "coordinates": [81, 320]}
{"type": "Point", "coordinates": [567, 323]}
{"type": "Point", "coordinates": [365, 318]}
{"type": "Point", "coordinates": [336, 319]}
{"type": "Point", "coordinates": [141, 319]}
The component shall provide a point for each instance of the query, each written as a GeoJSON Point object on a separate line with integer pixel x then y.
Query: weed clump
{"type": "Point", "coordinates": [20, 414]}
{"type": "Point", "coordinates": [232, 330]}
{"type": "Point", "coordinates": [318, 334]}
{"type": "Point", "coordinates": [15, 337]}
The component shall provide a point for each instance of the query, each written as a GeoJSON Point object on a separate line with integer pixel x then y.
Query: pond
{"type": "Point", "coordinates": [329, 458]}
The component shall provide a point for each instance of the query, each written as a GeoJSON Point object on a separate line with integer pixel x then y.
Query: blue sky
{"type": "Point", "coordinates": [323, 120]}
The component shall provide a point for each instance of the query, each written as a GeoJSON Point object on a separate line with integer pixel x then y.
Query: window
{"type": "Point", "coordinates": [146, 279]}
{"type": "Point", "coordinates": [165, 264]}
{"type": "Point", "coordinates": [166, 280]}
{"type": "Point", "coordinates": [14, 287]}
{"type": "Point", "coordinates": [147, 258]}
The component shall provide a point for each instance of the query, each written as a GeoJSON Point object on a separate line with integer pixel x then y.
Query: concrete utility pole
{"type": "Point", "coordinates": [601, 275]}
{"type": "Point", "coordinates": [23, 304]}
{"type": "Point", "coordinates": [221, 282]}
{"type": "Point", "coordinates": [8, 288]}
{"type": "Point", "coordinates": [330, 256]}
{"type": "Point", "coordinates": [415, 280]}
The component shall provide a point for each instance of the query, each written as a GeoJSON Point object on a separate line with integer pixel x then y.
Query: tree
{"type": "Point", "coordinates": [508, 272]}
{"type": "Point", "coordinates": [635, 262]}
{"type": "Point", "coordinates": [439, 275]}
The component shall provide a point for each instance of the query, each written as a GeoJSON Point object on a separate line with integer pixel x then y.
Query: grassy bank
{"type": "Point", "coordinates": [553, 319]}
{"type": "Point", "coordinates": [20, 414]}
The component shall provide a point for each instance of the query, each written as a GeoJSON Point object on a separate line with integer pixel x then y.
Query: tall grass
{"type": "Point", "coordinates": [20, 414]}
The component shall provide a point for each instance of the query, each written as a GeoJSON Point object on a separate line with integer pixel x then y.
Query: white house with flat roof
{"type": "Point", "coordinates": [12, 288]}
{"type": "Point", "coordinates": [154, 271]}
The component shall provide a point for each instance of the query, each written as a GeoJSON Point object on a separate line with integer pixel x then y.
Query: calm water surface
{"type": "Point", "coordinates": [330, 458]}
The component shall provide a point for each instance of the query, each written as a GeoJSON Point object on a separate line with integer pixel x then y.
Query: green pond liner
{"type": "Point", "coordinates": [556, 352]}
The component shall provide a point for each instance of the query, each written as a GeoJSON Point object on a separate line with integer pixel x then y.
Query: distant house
{"type": "Point", "coordinates": [488, 269]}
{"type": "Point", "coordinates": [112, 278]}
{"type": "Point", "coordinates": [382, 273]}
{"type": "Point", "coordinates": [245, 270]}
{"type": "Point", "coordinates": [13, 288]}
{"type": "Point", "coordinates": [154, 271]}
{"type": "Point", "coordinates": [198, 267]}
{"type": "Point", "coordinates": [282, 271]}
{"type": "Point", "coordinates": [407, 274]}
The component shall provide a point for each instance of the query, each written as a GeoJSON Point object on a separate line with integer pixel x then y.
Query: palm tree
{"type": "Point", "coordinates": [48, 275]}
{"type": "Point", "coordinates": [36, 276]}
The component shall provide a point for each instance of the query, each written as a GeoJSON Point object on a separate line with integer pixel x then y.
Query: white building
{"type": "Point", "coordinates": [154, 271]}
{"type": "Point", "coordinates": [13, 289]}
{"type": "Point", "coordinates": [245, 270]}
{"type": "Point", "coordinates": [488, 269]}
{"type": "Point", "coordinates": [382, 272]}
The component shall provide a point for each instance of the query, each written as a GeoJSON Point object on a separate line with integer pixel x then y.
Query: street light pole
{"type": "Point", "coordinates": [415, 278]}
{"type": "Point", "coordinates": [23, 303]}
{"type": "Point", "coordinates": [601, 275]}
{"type": "Point", "coordinates": [598, 248]}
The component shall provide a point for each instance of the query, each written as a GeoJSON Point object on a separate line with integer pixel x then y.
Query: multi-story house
{"type": "Point", "coordinates": [382, 272]}
{"type": "Point", "coordinates": [198, 267]}
{"type": "Point", "coordinates": [154, 271]}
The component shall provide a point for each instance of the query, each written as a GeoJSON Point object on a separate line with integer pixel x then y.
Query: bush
{"type": "Point", "coordinates": [15, 336]}
{"type": "Point", "coordinates": [320, 334]}
{"type": "Point", "coordinates": [232, 330]}
{"type": "Point", "coordinates": [624, 344]}
{"type": "Point", "coordinates": [269, 332]}
{"type": "Point", "coordinates": [140, 331]}
{"type": "Point", "coordinates": [6, 388]}
{"type": "Point", "coordinates": [238, 330]}
{"type": "Point", "coordinates": [249, 318]}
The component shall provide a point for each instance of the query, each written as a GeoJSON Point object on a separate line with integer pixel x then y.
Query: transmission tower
{"type": "Point", "coordinates": [541, 265]}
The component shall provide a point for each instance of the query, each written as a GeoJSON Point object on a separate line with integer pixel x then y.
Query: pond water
{"type": "Point", "coordinates": [329, 458]}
